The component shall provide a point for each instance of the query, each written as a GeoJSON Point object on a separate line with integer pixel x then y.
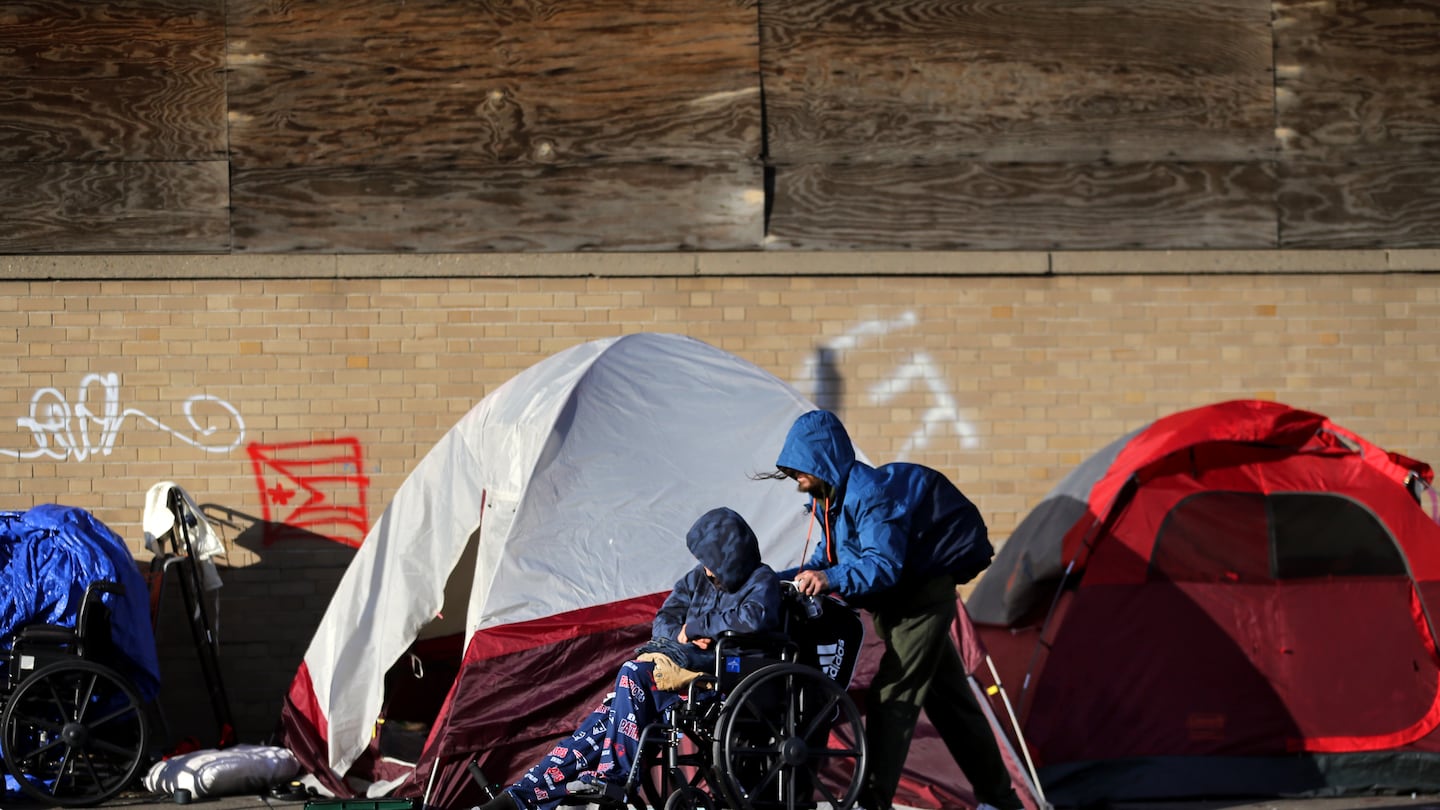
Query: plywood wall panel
{"type": "Point", "coordinates": [625, 207]}
{"type": "Point", "coordinates": [86, 81]}
{"type": "Point", "coordinates": [1354, 76]}
{"type": "Point", "coordinates": [163, 207]}
{"type": "Point", "coordinates": [427, 83]}
{"type": "Point", "coordinates": [543, 125]}
{"type": "Point", "coordinates": [1024, 207]}
{"type": "Point", "coordinates": [1023, 80]}
{"type": "Point", "coordinates": [1358, 108]}
{"type": "Point", "coordinates": [1391, 203]}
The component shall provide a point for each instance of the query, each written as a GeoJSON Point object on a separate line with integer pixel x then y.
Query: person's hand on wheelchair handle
{"type": "Point", "coordinates": [812, 583]}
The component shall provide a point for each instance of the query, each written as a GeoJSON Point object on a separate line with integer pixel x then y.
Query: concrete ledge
{"type": "Point", "coordinates": [898, 263]}
{"type": "Point", "coordinates": [142, 267]}
{"type": "Point", "coordinates": [517, 265]}
{"type": "Point", "coordinates": [618, 265]}
{"type": "Point", "coordinates": [1245, 261]}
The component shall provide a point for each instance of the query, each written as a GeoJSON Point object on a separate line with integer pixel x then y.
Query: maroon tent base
{"type": "Point", "coordinates": [513, 698]}
{"type": "Point", "coordinates": [1300, 776]}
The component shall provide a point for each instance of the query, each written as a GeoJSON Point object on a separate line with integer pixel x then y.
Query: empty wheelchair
{"type": "Point", "coordinates": [73, 731]}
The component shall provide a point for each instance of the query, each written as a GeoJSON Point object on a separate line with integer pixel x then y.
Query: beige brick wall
{"type": "Point", "coordinates": [1003, 371]}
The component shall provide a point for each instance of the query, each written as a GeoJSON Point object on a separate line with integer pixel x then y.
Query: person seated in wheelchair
{"type": "Point", "coordinates": [729, 589]}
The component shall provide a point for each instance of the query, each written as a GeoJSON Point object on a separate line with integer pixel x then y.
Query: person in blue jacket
{"type": "Point", "coordinates": [730, 589]}
{"type": "Point", "coordinates": [896, 540]}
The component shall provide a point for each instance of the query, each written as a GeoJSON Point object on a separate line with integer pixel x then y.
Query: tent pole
{"type": "Point", "coordinates": [430, 784]}
{"type": "Point", "coordinates": [1015, 724]}
{"type": "Point", "coordinates": [983, 700]}
{"type": "Point", "coordinates": [1117, 505]}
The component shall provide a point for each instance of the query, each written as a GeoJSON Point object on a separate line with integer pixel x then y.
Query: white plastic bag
{"type": "Point", "coordinates": [236, 770]}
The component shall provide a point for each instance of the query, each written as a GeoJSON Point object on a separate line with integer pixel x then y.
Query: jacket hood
{"type": "Point", "coordinates": [723, 542]}
{"type": "Point", "coordinates": [818, 444]}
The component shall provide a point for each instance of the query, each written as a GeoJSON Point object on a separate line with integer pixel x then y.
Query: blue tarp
{"type": "Point", "coordinates": [48, 555]}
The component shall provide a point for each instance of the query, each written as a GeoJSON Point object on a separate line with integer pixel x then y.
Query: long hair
{"type": "Point", "coordinates": [827, 490]}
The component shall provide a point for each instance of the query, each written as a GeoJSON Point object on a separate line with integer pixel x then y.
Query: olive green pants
{"type": "Point", "coordinates": [921, 668]}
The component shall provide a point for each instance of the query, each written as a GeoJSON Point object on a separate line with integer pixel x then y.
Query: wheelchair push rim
{"type": "Point", "coordinates": [792, 751]}
{"type": "Point", "coordinates": [75, 733]}
{"type": "Point", "coordinates": [689, 797]}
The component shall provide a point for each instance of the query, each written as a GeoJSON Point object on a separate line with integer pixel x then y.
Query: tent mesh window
{"type": "Point", "coordinates": [1253, 537]}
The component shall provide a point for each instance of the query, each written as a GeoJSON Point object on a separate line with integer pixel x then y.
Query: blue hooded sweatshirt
{"type": "Point", "coordinates": [745, 598]}
{"type": "Point", "coordinates": [882, 526]}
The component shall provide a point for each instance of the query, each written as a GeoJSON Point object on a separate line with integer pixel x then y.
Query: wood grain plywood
{"type": "Point", "coordinates": [980, 206]}
{"type": "Point", "coordinates": [439, 83]}
{"type": "Point", "coordinates": [164, 207]}
{"type": "Point", "coordinates": [606, 207]}
{"type": "Point", "coordinates": [1024, 80]}
{"type": "Point", "coordinates": [89, 81]}
{"type": "Point", "coordinates": [1357, 76]}
{"type": "Point", "coordinates": [1391, 203]}
{"type": "Point", "coordinates": [1358, 108]}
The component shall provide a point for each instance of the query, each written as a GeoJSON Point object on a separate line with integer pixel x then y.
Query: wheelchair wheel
{"type": "Point", "coordinates": [74, 733]}
{"type": "Point", "coordinates": [689, 798]}
{"type": "Point", "coordinates": [778, 742]}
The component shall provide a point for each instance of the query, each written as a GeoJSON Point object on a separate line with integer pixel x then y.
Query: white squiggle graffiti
{"type": "Point", "coordinates": [61, 431]}
{"type": "Point", "coordinates": [922, 370]}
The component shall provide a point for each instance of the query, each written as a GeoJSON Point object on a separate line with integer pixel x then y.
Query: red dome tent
{"type": "Point", "coordinates": [1236, 600]}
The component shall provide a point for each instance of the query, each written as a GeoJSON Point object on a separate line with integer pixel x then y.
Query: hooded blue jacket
{"type": "Point", "coordinates": [883, 526]}
{"type": "Point", "coordinates": [746, 599]}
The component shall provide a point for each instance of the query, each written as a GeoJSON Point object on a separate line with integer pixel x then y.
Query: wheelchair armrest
{"type": "Point", "coordinates": [49, 634]}
{"type": "Point", "coordinates": [769, 641]}
{"type": "Point", "coordinates": [730, 644]}
{"type": "Point", "coordinates": [698, 686]}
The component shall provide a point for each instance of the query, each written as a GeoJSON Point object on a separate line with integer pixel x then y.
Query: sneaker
{"type": "Point", "coordinates": [591, 786]}
{"type": "Point", "coordinates": [579, 788]}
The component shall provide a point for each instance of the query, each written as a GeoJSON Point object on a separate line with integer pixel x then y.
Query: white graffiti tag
{"type": "Point", "coordinates": [921, 371]}
{"type": "Point", "coordinates": [62, 431]}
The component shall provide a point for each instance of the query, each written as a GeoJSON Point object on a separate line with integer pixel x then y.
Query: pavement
{"type": "Point", "coordinates": [1365, 803]}
{"type": "Point", "coordinates": [149, 801]}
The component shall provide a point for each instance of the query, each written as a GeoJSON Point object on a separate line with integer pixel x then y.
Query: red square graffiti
{"type": "Point", "coordinates": [318, 486]}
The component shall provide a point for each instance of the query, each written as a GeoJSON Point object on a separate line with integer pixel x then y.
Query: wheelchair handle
{"type": "Point", "coordinates": [92, 596]}
{"type": "Point", "coordinates": [105, 586]}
